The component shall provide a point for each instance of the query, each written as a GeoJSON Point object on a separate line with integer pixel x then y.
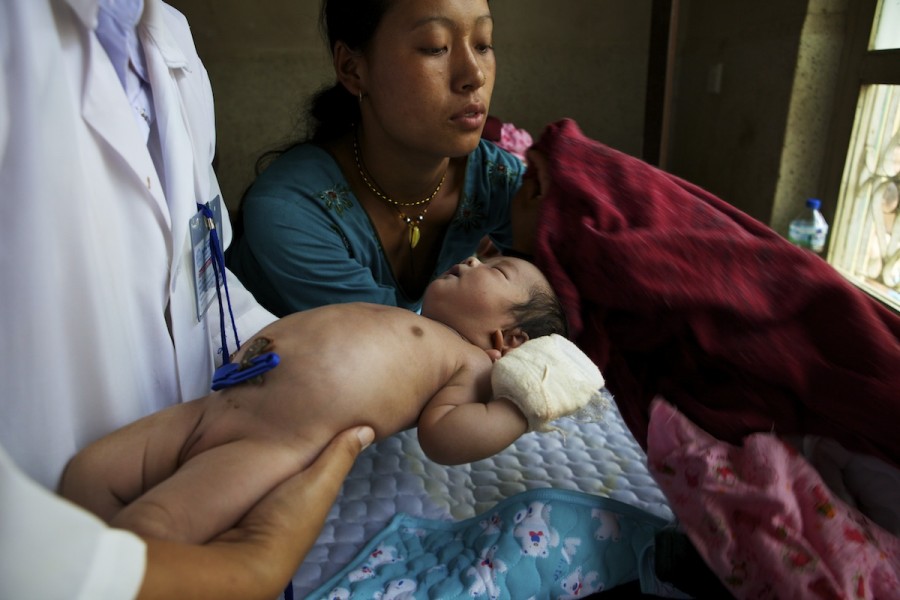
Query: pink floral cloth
{"type": "Point", "coordinates": [763, 519]}
{"type": "Point", "coordinates": [515, 140]}
{"type": "Point", "coordinates": [507, 136]}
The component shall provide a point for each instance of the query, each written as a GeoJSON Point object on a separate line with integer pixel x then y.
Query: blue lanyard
{"type": "Point", "coordinates": [218, 264]}
{"type": "Point", "coordinates": [257, 361]}
{"type": "Point", "coordinates": [231, 374]}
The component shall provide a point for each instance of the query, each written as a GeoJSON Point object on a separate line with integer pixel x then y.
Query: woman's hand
{"type": "Point", "coordinates": [258, 557]}
{"type": "Point", "coordinates": [527, 202]}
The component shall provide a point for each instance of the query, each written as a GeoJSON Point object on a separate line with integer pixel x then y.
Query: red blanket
{"type": "Point", "coordinates": [675, 293]}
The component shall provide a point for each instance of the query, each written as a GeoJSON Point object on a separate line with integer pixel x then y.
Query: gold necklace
{"type": "Point", "coordinates": [412, 224]}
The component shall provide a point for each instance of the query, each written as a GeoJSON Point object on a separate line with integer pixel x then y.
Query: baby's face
{"type": "Point", "coordinates": [475, 297]}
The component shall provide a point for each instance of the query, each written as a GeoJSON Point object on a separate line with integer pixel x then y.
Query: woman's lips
{"type": "Point", "coordinates": [471, 117]}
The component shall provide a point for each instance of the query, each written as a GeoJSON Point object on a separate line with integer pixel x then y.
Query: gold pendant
{"type": "Point", "coordinates": [414, 235]}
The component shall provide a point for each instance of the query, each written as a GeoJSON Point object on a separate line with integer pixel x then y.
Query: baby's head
{"type": "Point", "coordinates": [497, 304]}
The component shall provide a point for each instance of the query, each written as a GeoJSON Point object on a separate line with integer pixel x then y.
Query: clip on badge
{"type": "Point", "coordinates": [234, 373]}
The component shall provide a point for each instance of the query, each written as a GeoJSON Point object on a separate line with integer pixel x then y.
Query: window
{"type": "Point", "coordinates": [865, 239]}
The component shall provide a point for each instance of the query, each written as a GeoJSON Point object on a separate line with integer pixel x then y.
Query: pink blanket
{"type": "Point", "coordinates": [764, 521]}
{"type": "Point", "coordinates": [675, 293]}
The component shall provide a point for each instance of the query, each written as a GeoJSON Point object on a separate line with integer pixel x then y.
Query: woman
{"type": "Point", "coordinates": [395, 184]}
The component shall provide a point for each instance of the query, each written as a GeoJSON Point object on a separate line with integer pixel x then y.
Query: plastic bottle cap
{"type": "Point", "coordinates": [814, 203]}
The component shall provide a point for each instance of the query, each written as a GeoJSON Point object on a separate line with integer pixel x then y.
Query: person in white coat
{"type": "Point", "coordinates": [98, 304]}
{"type": "Point", "coordinates": [107, 138]}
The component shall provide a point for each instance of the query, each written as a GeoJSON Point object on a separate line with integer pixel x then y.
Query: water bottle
{"type": "Point", "coordinates": [809, 229]}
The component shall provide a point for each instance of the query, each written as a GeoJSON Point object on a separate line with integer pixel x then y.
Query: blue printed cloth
{"type": "Point", "coordinates": [543, 543]}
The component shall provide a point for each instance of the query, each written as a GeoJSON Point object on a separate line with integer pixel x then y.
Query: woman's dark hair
{"type": "Point", "coordinates": [333, 111]}
{"type": "Point", "coordinates": [542, 314]}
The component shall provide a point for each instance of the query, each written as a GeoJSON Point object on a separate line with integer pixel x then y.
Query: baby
{"type": "Point", "coordinates": [192, 470]}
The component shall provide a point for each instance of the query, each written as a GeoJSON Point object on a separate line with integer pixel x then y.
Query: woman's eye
{"type": "Point", "coordinates": [434, 51]}
{"type": "Point", "coordinates": [484, 48]}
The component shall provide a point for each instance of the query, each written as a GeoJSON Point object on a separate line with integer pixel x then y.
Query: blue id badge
{"type": "Point", "coordinates": [204, 272]}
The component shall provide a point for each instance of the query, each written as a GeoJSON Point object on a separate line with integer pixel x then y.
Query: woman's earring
{"type": "Point", "coordinates": [360, 96]}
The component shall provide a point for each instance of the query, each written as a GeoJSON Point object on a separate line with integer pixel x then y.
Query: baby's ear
{"type": "Point", "coordinates": [513, 339]}
{"type": "Point", "coordinates": [504, 341]}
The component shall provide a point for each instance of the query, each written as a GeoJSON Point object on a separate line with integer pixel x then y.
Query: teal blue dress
{"type": "Point", "coordinates": [307, 241]}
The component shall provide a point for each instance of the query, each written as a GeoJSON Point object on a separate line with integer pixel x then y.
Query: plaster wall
{"type": "Point", "coordinates": [582, 59]}
{"type": "Point", "coordinates": [735, 70]}
{"type": "Point", "coordinates": [807, 144]}
{"type": "Point", "coordinates": [754, 94]}
{"type": "Point", "coordinates": [752, 91]}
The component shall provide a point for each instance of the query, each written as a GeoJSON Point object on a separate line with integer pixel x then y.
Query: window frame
{"type": "Point", "coordinates": [859, 67]}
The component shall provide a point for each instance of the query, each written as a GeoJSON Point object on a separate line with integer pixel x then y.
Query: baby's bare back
{"type": "Point", "coordinates": [343, 365]}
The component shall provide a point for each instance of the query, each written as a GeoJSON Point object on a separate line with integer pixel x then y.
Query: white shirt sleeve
{"type": "Point", "coordinates": [51, 548]}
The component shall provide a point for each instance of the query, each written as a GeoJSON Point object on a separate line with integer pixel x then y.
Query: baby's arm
{"type": "Point", "coordinates": [457, 426]}
{"type": "Point", "coordinates": [210, 492]}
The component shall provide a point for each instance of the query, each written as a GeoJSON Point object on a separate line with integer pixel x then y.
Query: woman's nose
{"type": "Point", "coordinates": [471, 262]}
{"type": "Point", "coordinates": [470, 74]}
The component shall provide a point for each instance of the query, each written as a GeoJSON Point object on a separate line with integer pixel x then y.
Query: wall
{"type": "Point", "coordinates": [810, 115]}
{"type": "Point", "coordinates": [586, 61]}
{"type": "Point", "coordinates": [759, 139]}
{"type": "Point", "coordinates": [728, 139]}
{"type": "Point", "coordinates": [581, 59]}
{"type": "Point", "coordinates": [263, 59]}
{"type": "Point", "coordinates": [756, 140]}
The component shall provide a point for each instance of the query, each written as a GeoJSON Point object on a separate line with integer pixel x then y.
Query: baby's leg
{"type": "Point", "coordinates": [211, 491]}
{"type": "Point", "coordinates": [114, 470]}
{"type": "Point", "coordinates": [85, 482]}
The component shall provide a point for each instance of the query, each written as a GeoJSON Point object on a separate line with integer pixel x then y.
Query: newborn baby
{"type": "Point", "coordinates": [192, 470]}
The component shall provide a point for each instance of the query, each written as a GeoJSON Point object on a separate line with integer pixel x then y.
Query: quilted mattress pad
{"type": "Point", "coordinates": [394, 476]}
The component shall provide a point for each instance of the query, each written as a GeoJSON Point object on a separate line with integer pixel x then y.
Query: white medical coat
{"type": "Point", "coordinates": [53, 549]}
{"type": "Point", "coordinates": [97, 305]}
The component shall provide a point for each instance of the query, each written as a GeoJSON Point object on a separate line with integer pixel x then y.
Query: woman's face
{"type": "Point", "coordinates": [429, 74]}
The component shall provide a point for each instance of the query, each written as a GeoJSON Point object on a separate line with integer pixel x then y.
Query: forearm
{"type": "Point", "coordinates": [472, 431]}
{"type": "Point", "coordinates": [257, 566]}
{"type": "Point", "coordinates": [254, 561]}
{"type": "Point", "coordinates": [243, 565]}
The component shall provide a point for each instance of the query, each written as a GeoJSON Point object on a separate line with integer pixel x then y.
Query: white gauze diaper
{"type": "Point", "coordinates": [549, 378]}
